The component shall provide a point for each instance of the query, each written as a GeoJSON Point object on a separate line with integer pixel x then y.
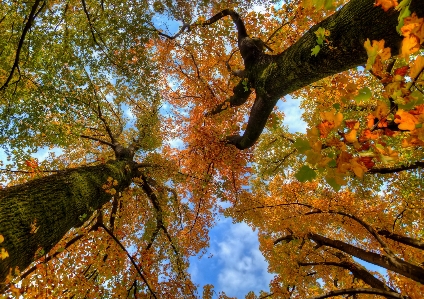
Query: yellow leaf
{"type": "Point", "coordinates": [1, 238]}
{"type": "Point", "coordinates": [332, 116]}
{"type": "Point", "coordinates": [358, 168]}
{"type": "Point", "coordinates": [3, 254]}
{"type": "Point", "coordinates": [416, 67]}
{"type": "Point", "coordinates": [351, 136]}
{"type": "Point", "coordinates": [375, 50]}
{"type": "Point", "coordinates": [410, 44]}
{"type": "Point", "coordinates": [382, 110]}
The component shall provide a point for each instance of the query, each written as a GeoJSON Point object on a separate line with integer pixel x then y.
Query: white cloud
{"type": "Point", "coordinates": [293, 115]}
{"type": "Point", "coordinates": [242, 268]}
{"type": "Point", "coordinates": [233, 263]}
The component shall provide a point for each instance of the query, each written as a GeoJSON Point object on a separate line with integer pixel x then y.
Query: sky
{"type": "Point", "coordinates": [233, 262]}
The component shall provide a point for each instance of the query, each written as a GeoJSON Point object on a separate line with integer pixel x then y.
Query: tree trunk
{"type": "Point", "coordinates": [39, 213]}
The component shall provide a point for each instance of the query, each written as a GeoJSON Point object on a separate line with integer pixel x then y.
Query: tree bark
{"type": "Point", "coordinates": [276, 76]}
{"type": "Point", "coordinates": [36, 215]}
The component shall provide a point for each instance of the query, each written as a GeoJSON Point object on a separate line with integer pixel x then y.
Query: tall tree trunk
{"type": "Point", "coordinates": [39, 213]}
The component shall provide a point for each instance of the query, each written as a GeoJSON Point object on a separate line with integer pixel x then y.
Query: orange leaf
{"type": "Point", "coordinates": [405, 120]}
{"type": "Point", "coordinates": [386, 4]}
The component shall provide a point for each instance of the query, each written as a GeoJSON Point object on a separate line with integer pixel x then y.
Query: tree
{"type": "Point", "coordinates": [127, 224]}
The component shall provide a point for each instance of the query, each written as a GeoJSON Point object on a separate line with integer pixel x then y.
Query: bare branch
{"type": "Point", "coordinates": [139, 269]}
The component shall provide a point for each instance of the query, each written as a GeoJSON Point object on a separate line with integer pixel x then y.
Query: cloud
{"type": "Point", "coordinates": [233, 263]}
{"type": "Point", "coordinates": [242, 268]}
{"type": "Point", "coordinates": [293, 115]}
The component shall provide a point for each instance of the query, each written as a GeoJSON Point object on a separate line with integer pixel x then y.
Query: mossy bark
{"type": "Point", "coordinates": [274, 76]}
{"type": "Point", "coordinates": [54, 204]}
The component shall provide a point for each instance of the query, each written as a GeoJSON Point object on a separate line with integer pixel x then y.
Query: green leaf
{"type": "Point", "coordinates": [363, 95]}
{"type": "Point", "coordinates": [332, 182]}
{"type": "Point", "coordinates": [416, 98]}
{"type": "Point", "coordinates": [336, 106]}
{"type": "Point", "coordinates": [302, 145]}
{"type": "Point", "coordinates": [244, 82]}
{"type": "Point", "coordinates": [403, 7]}
{"type": "Point", "coordinates": [332, 163]}
{"type": "Point", "coordinates": [305, 174]}
{"type": "Point", "coordinates": [82, 217]}
{"type": "Point", "coordinates": [315, 50]}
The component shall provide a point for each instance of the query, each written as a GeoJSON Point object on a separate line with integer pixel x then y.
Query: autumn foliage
{"type": "Point", "coordinates": [150, 115]}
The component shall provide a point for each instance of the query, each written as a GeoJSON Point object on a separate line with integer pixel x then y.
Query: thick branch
{"type": "Point", "coordinates": [98, 140]}
{"type": "Point", "coordinates": [240, 96]}
{"type": "Point", "coordinates": [56, 203]}
{"type": "Point", "coordinates": [279, 75]}
{"type": "Point", "coordinates": [393, 264]}
{"type": "Point", "coordinates": [241, 29]}
{"type": "Point", "coordinates": [357, 270]}
{"type": "Point", "coordinates": [412, 166]}
{"type": "Point", "coordinates": [368, 227]}
{"type": "Point", "coordinates": [354, 291]}
{"type": "Point", "coordinates": [402, 239]}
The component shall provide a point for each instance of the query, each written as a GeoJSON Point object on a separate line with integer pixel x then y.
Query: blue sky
{"type": "Point", "coordinates": [233, 262]}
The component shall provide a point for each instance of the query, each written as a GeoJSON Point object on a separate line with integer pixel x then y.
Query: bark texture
{"type": "Point", "coordinates": [53, 205]}
{"type": "Point", "coordinates": [273, 77]}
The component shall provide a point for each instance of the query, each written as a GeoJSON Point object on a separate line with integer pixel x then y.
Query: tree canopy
{"type": "Point", "coordinates": [158, 112]}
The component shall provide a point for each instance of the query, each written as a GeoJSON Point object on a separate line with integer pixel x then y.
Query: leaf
{"type": "Point", "coordinates": [403, 7]}
{"type": "Point", "coordinates": [315, 50]}
{"type": "Point", "coordinates": [386, 4]}
{"type": "Point", "coordinates": [302, 145]}
{"type": "Point", "coordinates": [4, 254]}
{"type": "Point", "coordinates": [412, 100]}
{"type": "Point", "coordinates": [402, 70]}
{"type": "Point", "coordinates": [417, 67]}
{"type": "Point", "coordinates": [332, 182]}
{"type": "Point", "coordinates": [376, 50]}
{"type": "Point", "coordinates": [413, 32]}
{"type": "Point", "coordinates": [351, 136]}
{"type": "Point", "coordinates": [405, 120]}
{"type": "Point", "coordinates": [1, 239]}
{"type": "Point", "coordinates": [305, 173]}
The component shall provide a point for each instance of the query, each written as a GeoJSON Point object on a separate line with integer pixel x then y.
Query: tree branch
{"type": "Point", "coordinates": [97, 139]}
{"type": "Point", "coordinates": [28, 25]}
{"type": "Point", "coordinates": [412, 166]}
{"type": "Point", "coordinates": [357, 270]}
{"type": "Point", "coordinates": [394, 264]}
{"type": "Point", "coordinates": [402, 239]}
{"type": "Point", "coordinates": [354, 291]}
{"type": "Point", "coordinates": [139, 269]}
